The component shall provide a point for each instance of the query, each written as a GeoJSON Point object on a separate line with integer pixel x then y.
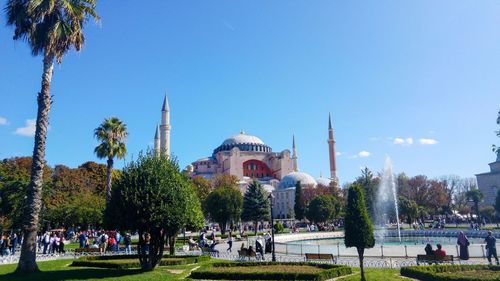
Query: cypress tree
{"type": "Point", "coordinates": [255, 204]}
{"type": "Point", "coordinates": [297, 207]}
{"type": "Point", "coordinates": [358, 226]}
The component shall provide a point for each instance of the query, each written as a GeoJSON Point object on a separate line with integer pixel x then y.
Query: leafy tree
{"type": "Point", "coordinates": [298, 209]}
{"type": "Point", "coordinates": [202, 187]}
{"type": "Point", "coordinates": [153, 197]}
{"type": "Point", "coordinates": [224, 205]}
{"type": "Point", "coordinates": [51, 28]}
{"type": "Point", "coordinates": [255, 205]}
{"type": "Point", "coordinates": [224, 180]}
{"type": "Point", "coordinates": [358, 226]}
{"type": "Point", "coordinates": [488, 212]}
{"type": "Point", "coordinates": [321, 209]}
{"type": "Point", "coordinates": [408, 208]}
{"type": "Point", "coordinates": [475, 196]}
{"type": "Point", "coordinates": [84, 209]}
{"type": "Point", "coordinates": [112, 134]}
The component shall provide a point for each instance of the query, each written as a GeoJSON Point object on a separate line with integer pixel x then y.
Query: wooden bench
{"type": "Point", "coordinates": [430, 259]}
{"type": "Point", "coordinates": [322, 257]}
{"type": "Point", "coordinates": [87, 250]}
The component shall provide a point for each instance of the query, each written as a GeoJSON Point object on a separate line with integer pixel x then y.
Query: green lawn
{"type": "Point", "coordinates": [373, 274]}
{"type": "Point", "coordinates": [60, 270]}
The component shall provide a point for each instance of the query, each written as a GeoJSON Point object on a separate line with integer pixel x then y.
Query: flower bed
{"type": "Point", "coordinates": [453, 272]}
{"type": "Point", "coordinates": [132, 261]}
{"type": "Point", "coordinates": [271, 271]}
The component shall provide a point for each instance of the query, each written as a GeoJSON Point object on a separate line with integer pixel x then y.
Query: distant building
{"type": "Point", "coordinates": [488, 183]}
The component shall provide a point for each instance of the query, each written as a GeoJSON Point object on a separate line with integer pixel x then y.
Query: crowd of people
{"type": "Point", "coordinates": [104, 240]}
{"type": "Point", "coordinates": [9, 243]}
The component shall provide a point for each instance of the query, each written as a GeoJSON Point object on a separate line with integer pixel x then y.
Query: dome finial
{"type": "Point", "coordinates": [242, 132]}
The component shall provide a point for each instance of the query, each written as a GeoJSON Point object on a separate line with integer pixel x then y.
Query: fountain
{"type": "Point", "coordinates": [386, 200]}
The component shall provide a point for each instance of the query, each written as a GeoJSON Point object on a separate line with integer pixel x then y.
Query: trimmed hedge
{"type": "Point", "coordinates": [132, 261]}
{"type": "Point", "coordinates": [329, 271]}
{"type": "Point", "coordinates": [431, 272]}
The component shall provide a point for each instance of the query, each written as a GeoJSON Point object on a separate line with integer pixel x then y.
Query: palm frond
{"type": "Point", "coordinates": [50, 26]}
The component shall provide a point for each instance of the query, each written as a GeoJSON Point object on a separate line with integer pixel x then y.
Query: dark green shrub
{"type": "Point", "coordinates": [328, 271]}
{"type": "Point", "coordinates": [434, 272]}
{"type": "Point", "coordinates": [131, 261]}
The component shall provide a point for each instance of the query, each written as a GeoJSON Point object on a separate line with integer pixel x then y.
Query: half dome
{"type": "Point", "coordinates": [292, 178]}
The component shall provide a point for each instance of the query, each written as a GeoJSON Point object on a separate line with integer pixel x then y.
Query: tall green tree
{"type": "Point", "coordinates": [475, 196]}
{"type": "Point", "coordinates": [153, 197]}
{"type": "Point", "coordinates": [255, 204]}
{"type": "Point", "coordinates": [298, 209]}
{"type": "Point", "coordinates": [51, 28]}
{"type": "Point", "coordinates": [112, 134]}
{"type": "Point", "coordinates": [369, 186]}
{"type": "Point", "coordinates": [358, 226]}
{"type": "Point", "coordinates": [224, 205]}
{"type": "Point", "coordinates": [322, 209]}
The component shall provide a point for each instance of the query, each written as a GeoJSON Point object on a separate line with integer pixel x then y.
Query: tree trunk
{"type": "Point", "coordinates": [361, 252]}
{"type": "Point", "coordinates": [27, 260]}
{"type": "Point", "coordinates": [171, 243]}
{"type": "Point", "coordinates": [256, 227]}
{"type": "Point", "coordinates": [108, 179]}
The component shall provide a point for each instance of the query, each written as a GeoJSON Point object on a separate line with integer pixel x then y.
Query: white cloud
{"type": "Point", "coordinates": [339, 153]}
{"type": "Point", "coordinates": [399, 141]}
{"type": "Point", "coordinates": [28, 130]}
{"type": "Point", "coordinates": [364, 153]}
{"type": "Point", "coordinates": [427, 141]}
{"type": "Point", "coordinates": [3, 121]}
{"type": "Point", "coordinates": [402, 141]}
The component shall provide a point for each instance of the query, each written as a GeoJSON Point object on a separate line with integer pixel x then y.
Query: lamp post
{"type": "Point", "coordinates": [271, 197]}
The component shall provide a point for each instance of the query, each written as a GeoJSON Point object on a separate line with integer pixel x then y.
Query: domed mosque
{"type": "Point", "coordinates": [248, 158]}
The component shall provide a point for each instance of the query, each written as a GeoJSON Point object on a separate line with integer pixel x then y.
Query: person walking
{"type": "Point", "coordinates": [259, 247]}
{"type": "Point", "coordinates": [46, 242]}
{"type": "Point", "coordinates": [491, 247]}
{"type": "Point", "coordinates": [82, 238]}
{"type": "Point", "coordinates": [127, 240]}
{"type": "Point", "coordinates": [230, 242]}
{"type": "Point", "coordinates": [61, 243]}
{"type": "Point", "coordinates": [464, 243]}
{"type": "Point", "coordinates": [13, 241]}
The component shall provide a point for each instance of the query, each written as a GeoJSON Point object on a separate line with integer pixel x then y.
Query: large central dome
{"type": "Point", "coordinates": [242, 138]}
{"type": "Point", "coordinates": [243, 142]}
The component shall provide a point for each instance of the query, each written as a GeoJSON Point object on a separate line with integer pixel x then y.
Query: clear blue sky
{"type": "Point", "coordinates": [384, 69]}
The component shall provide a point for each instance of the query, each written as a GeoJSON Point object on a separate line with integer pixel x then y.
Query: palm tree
{"type": "Point", "coordinates": [51, 28]}
{"type": "Point", "coordinates": [475, 196]}
{"type": "Point", "coordinates": [112, 134]}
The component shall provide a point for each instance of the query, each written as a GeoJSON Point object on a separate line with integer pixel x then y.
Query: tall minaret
{"type": "Point", "coordinates": [331, 150]}
{"type": "Point", "coordinates": [165, 128]}
{"type": "Point", "coordinates": [157, 141]}
{"type": "Point", "coordinates": [295, 166]}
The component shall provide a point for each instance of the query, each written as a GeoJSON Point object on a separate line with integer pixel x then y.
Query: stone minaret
{"type": "Point", "coordinates": [157, 141]}
{"type": "Point", "coordinates": [165, 129]}
{"type": "Point", "coordinates": [295, 165]}
{"type": "Point", "coordinates": [331, 150]}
